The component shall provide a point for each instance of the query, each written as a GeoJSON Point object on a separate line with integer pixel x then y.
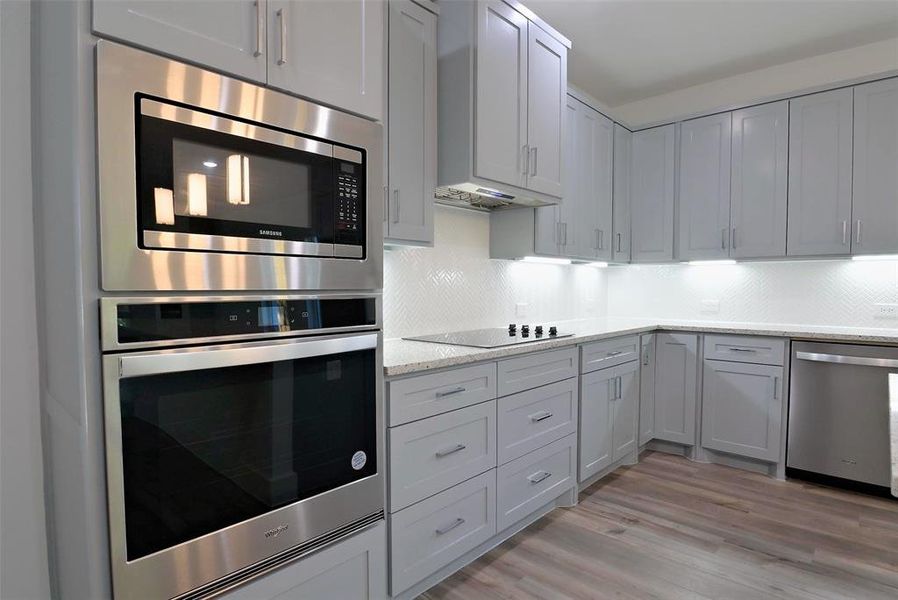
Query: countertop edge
{"type": "Point", "coordinates": [477, 355]}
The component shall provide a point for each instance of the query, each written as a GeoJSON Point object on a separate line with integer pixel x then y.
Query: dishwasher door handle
{"type": "Point", "coordinates": [865, 361]}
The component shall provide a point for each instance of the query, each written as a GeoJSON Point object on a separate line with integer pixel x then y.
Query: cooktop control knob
{"type": "Point", "coordinates": [512, 329]}
{"type": "Point", "coordinates": [525, 330]}
{"type": "Point", "coordinates": [539, 331]}
{"type": "Point", "coordinates": [553, 331]}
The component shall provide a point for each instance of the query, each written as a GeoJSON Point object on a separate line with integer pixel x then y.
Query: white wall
{"type": "Point", "coordinates": [23, 550]}
{"type": "Point", "coordinates": [831, 292]}
{"type": "Point", "coordinates": [879, 58]}
{"type": "Point", "coordinates": [455, 285]}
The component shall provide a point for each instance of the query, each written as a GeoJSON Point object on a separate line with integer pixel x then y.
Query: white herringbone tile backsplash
{"type": "Point", "coordinates": [824, 292]}
{"type": "Point", "coordinates": [455, 285]}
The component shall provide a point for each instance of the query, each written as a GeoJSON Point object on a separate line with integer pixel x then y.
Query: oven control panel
{"type": "Point", "coordinates": [185, 321]}
{"type": "Point", "coordinates": [350, 202]}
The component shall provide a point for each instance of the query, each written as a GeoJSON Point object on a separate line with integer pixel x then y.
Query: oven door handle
{"type": "Point", "coordinates": [173, 361]}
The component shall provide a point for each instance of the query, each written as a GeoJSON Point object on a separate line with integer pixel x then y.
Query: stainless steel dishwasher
{"type": "Point", "coordinates": [839, 411]}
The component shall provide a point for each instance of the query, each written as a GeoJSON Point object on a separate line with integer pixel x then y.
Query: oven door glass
{"type": "Point", "coordinates": [205, 449]}
{"type": "Point", "coordinates": [211, 183]}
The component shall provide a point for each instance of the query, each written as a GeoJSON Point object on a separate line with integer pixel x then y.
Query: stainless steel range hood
{"type": "Point", "coordinates": [478, 197]}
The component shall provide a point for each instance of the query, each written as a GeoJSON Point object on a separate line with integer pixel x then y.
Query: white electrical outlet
{"type": "Point", "coordinates": [885, 311]}
{"type": "Point", "coordinates": [711, 306]}
{"type": "Point", "coordinates": [520, 309]}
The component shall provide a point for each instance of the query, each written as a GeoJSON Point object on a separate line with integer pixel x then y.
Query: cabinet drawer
{"type": "Point", "coordinates": [533, 370]}
{"type": "Point", "coordinates": [431, 534]}
{"type": "Point", "coordinates": [747, 349]}
{"type": "Point", "coordinates": [534, 418]}
{"type": "Point", "coordinates": [529, 482]}
{"type": "Point", "coordinates": [608, 353]}
{"type": "Point", "coordinates": [427, 395]}
{"type": "Point", "coordinates": [434, 454]}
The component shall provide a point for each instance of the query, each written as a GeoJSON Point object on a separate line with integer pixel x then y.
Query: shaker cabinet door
{"type": "Point", "coordinates": [625, 411]}
{"type": "Point", "coordinates": [820, 174]}
{"type": "Point", "coordinates": [647, 389]}
{"type": "Point", "coordinates": [226, 36]}
{"type": "Point", "coordinates": [676, 379]}
{"type": "Point", "coordinates": [411, 123]}
{"type": "Point", "coordinates": [596, 392]}
{"type": "Point", "coordinates": [704, 188]}
{"type": "Point", "coordinates": [652, 194]}
{"type": "Point", "coordinates": [875, 199]}
{"type": "Point", "coordinates": [759, 181]}
{"type": "Point", "coordinates": [546, 93]}
{"type": "Point", "coordinates": [623, 141]}
{"type": "Point", "coordinates": [500, 128]}
{"type": "Point", "coordinates": [330, 52]}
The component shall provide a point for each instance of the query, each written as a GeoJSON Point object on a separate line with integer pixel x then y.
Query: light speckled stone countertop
{"type": "Point", "coordinates": [403, 357]}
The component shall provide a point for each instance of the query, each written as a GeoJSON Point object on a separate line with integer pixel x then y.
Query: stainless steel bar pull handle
{"type": "Point", "coordinates": [394, 213]}
{"type": "Point", "coordinates": [564, 234]}
{"type": "Point", "coordinates": [537, 417]}
{"type": "Point", "coordinates": [618, 242]}
{"type": "Point", "coordinates": [733, 238]}
{"type": "Point", "coordinates": [525, 159]}
{"type": "Point", "coordinates": [539, 476]}
{"type": "Point", "coordinates": [447, 528]}
{"type": "Point", "coordinates": [452, 450]}
{"type": "Point", "coordinates": [645, 356]}
{"type": "Point", "coordinates": [451, 392]}
{"type": "Point", "coordinates": [734, 349]}
{"type": "Point", "coordinates": [844, 232]}
{"type": "Point", "coordinates": [857, 239]}
{"type": "Point", "coordinates": [613, 353]}
{"type": "Point", "coordinates": [864, 361]}
{"type": "Point", "coordinates": [723, 238]}
{"type": "Point", "coordinates": [533, 161]}
{"type": "Point", "coordinates": [282, 21]}
{"type": "Point", "coordinates": [260, 28]}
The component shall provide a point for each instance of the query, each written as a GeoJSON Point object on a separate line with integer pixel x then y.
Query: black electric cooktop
{"type": "Point", "coordinates": [495, 337]}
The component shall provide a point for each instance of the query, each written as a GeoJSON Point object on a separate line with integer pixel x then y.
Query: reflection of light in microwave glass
{"type": "Point", "coordinates": [210, 163]}
{"type": "Point", "coordinates": [196, 194]}
{"type": "Point", "coordinates": [238, 179]}
{"type": "Point", "coordinates": [165, 206]}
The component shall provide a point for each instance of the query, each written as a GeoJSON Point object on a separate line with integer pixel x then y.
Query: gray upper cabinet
{"type": "Point", "coordinates": [411, 124]}
{"type": "Point", "coordinates": [226, 36]}
{"type": "Point", "coordinates": [676, 385]}
{"type": "Point", "coordinates": [500, 128]}
{"type": "Point", "coordinates": [623, 142]}
{"type": "Point", "coordinates": [652, 194]}
{"type": "Point", "coordinates": [704, 188]}
{"type": "Point", "coordinates": [759, 181]}
{"type": "Point", "coordinates": [546, 92]}
{"type": "Point", "coordinates": [502, 81]}
{"type": "Point", "coordinates": [742, 409]}
{"type": "Point", "coordinates": [330, 51]}
{"type": "Point", "coordinates": [875, 199]}
{"type": "Point", "coordinates": [820, 138]}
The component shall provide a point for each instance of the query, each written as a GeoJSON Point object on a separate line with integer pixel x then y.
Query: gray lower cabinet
{"type": "Point", "coordinates": [652, 177]}
{"type": "Point", "coordinates": [352, 569]}
{"type": "Point", "coordinates": [820, 139]}
{"type": "Point", "coordinates": [423, 396]}
{"type": "Point", "coordinates": [742, 406]}
{"type": "Point", "coordinates": [676, 385]}
{"type": "Point", "coordinates": [875, 176]}
{"type": "Point", "coordinates": [623, 142]}
{"type": "Point", "coordinates": [609, 409]}
{"type": "Point", "coordinates": [537, 369]}
{"type": "Point", "coordinates": [433, 454]}
{"type": "Point", "coordinates": [647, 389]}
{"type": "Point", "coordinates": [703, 218]}
{"type": "Point", "coordinates": [429, 535]}
{"type": "Point", "coordinates": [529, 420]}
{"type": "Point", "coordinates": [411, 123]}
{"type": "Point", "coordinates": [529, 482]}
{"type": "Point", "coordinates": [759, 181]}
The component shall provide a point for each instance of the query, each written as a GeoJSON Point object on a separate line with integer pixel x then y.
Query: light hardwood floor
{"type": "Point", "coordinates": [669, 528]}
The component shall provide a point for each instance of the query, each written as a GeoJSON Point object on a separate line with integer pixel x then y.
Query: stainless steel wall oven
{"type": "Point", "coordinates": [210, 183]}
{"type": "Point", "coordinates": [240, 433]}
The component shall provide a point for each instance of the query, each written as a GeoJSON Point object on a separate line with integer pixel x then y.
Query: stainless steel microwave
{"type": "Point", "coordinates": [210, 183]}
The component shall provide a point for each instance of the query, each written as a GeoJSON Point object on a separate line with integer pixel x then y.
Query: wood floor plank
{"type": "Point", "coordinates": [670, 529]}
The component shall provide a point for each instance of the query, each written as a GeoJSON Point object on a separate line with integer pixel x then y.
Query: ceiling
{"type": "Point", "coordinates": [626, 50]}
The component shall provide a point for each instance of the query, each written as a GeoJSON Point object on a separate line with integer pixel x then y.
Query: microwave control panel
{"type": "Point", "coordinates": [349, 217]}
